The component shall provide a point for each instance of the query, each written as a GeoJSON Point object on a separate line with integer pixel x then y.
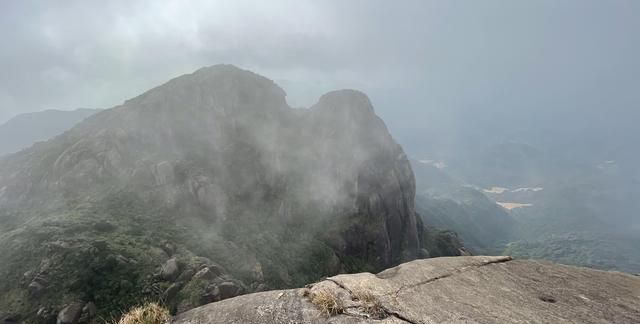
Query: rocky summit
{"type": "Point", "coordinates": [443, 290]}
{"type": "Point", "coordinates": [201, 189]}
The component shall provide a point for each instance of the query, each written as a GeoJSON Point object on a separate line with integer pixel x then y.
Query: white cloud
{"type": "Point", "coordinates": [416, 54]}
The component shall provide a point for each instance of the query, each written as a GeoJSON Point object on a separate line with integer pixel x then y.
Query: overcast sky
{"type": "Point", "coordinates": [414, 58]}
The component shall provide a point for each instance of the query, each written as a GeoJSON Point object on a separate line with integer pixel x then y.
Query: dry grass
{"type": "Point", "coordinates": [369, 303]}
{"type": "Point", "coordinates": [150, 313]}
{"type": "Point", "coordinates": [327, 302]}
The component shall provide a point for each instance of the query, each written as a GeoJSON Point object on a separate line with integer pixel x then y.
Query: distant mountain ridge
{"type": "Point", "coordinates": [24, 130]}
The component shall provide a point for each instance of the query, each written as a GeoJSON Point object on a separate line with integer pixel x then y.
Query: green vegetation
{"type": "Point", "coordinates": [582, 249]}
{"type": "Point", "coordinates": [483, 226]}
{"type": "Point", "coordinates": [575, 217]}
{"type": "Point", "coordinates": [108, 252]}
{"type": "Point", "coordinates": [101, 253]}
{"type": "Point", "coordinates": [439, 243]}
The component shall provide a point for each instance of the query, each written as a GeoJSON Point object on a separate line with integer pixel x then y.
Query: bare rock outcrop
{"type": "Point", "coordinates": [443, 290]}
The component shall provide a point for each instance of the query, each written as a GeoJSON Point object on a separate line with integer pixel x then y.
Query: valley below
{"type": "Point", "coordinates": [572, 220]}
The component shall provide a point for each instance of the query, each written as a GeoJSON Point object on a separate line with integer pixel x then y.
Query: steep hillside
{"type": "Point", "coordinates": [198, 190]}
{"type": "Point", "coordinates": [446, 203]}
{"type": "Point", "coordinates": [24, 130]}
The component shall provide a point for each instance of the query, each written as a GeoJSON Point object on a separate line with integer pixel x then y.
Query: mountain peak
{"type": "Point", "coordinates": [218, 86]}
{"type": "Point", "coordinates": [346, 99]}
{"type": "Point", "coordinates": [222, 69]}
{"type": "Point", "coordinates": [208, 161]}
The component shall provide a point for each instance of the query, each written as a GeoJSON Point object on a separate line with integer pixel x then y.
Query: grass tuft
{"type": "Point", "coordinates": [150, 313]}
{"type": "Point", "coordinates": [369, 303]}
{"type": "Point", "coordinates": [327, 302]}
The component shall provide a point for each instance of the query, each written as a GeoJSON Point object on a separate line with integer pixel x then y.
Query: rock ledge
{"type": "Point", "coordinates": [469, 289]}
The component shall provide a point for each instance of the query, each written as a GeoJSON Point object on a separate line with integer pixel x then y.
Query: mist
{"type": "Point", "coordinates": [447, 77]}
{"type": "Point", "coordinates": [259, 141]}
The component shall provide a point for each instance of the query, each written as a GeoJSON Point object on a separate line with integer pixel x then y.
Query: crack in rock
{"type": "Point", "coordinates": [450, 274]}
{"type": "Point", "coordinates": [398, 315]}
{"type": "Point", "coordinates": [340, 285]}
{"type": "Point", "coordinates": [402, 318]}
{"type": "Point", "coordinates": [384, 308]}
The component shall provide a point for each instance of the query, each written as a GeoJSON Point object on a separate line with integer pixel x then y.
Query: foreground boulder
{"type": "Point", "coordinates": [443, 290]}
{"type": "Point", "coordinates": [70, 314]}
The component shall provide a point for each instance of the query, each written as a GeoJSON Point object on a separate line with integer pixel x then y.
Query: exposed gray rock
{"type": "Point", "coordinates": [46, 315]}
{"type": "Point", "coordinates": [205, 273]}
{"type": "Point", "coordinates": [186, 275]}
{"type": "Point", "coordinates": [27, 276]}
{"type": "Point", "coordinates": [89, 310]}
{"type": "Point", "coordinates": [216, 270]}
{"type": "Point", "coordinates": [170, 269]}
{"type": "Point", "coordinates": [45, 265]}
{"type": "Point", "coordinates": [163, 173]}
{"type": "Point", "coordinates": [229, 289]}
{"type": "Point", "coordinates": [220, 291]}
{"type": "Point", "coordinates": [41, 278]}
{"type": "Point", "coordinates": [169, 248]}
{"type": "Point", "coordinates": [446, 290]}
{"type": "Point", "coordinates": [35, 289]}
{"type": "Point", "coordinates": [70, 314]}
{"type": "Point", "coordinates": [211, 295]}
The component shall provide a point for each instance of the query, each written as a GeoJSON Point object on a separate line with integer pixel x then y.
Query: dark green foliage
{"type": "Point", "coordinates": [107, 251]}
{"type": "Point", "coordinates": [292, 252]}
{"type": "Point", "coordinates": [98, 252]}
{"type": "Point", "coordinates": [485, 226]}
{"type": "Point", "coordinates": [583, 249]}
{"type": "Point", "coordinates": [440, 243]}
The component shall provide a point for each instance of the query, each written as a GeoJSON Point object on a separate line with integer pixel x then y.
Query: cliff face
{"type": "Point", "coordinates": [380, 182]}
{"type": "Point", "coordinates": [216, 165]}
{"type": "Point", "coordinates": [443, 290]}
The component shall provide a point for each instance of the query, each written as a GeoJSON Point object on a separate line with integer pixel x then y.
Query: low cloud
{"type": "Point", "coordinates": [419, 60]}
